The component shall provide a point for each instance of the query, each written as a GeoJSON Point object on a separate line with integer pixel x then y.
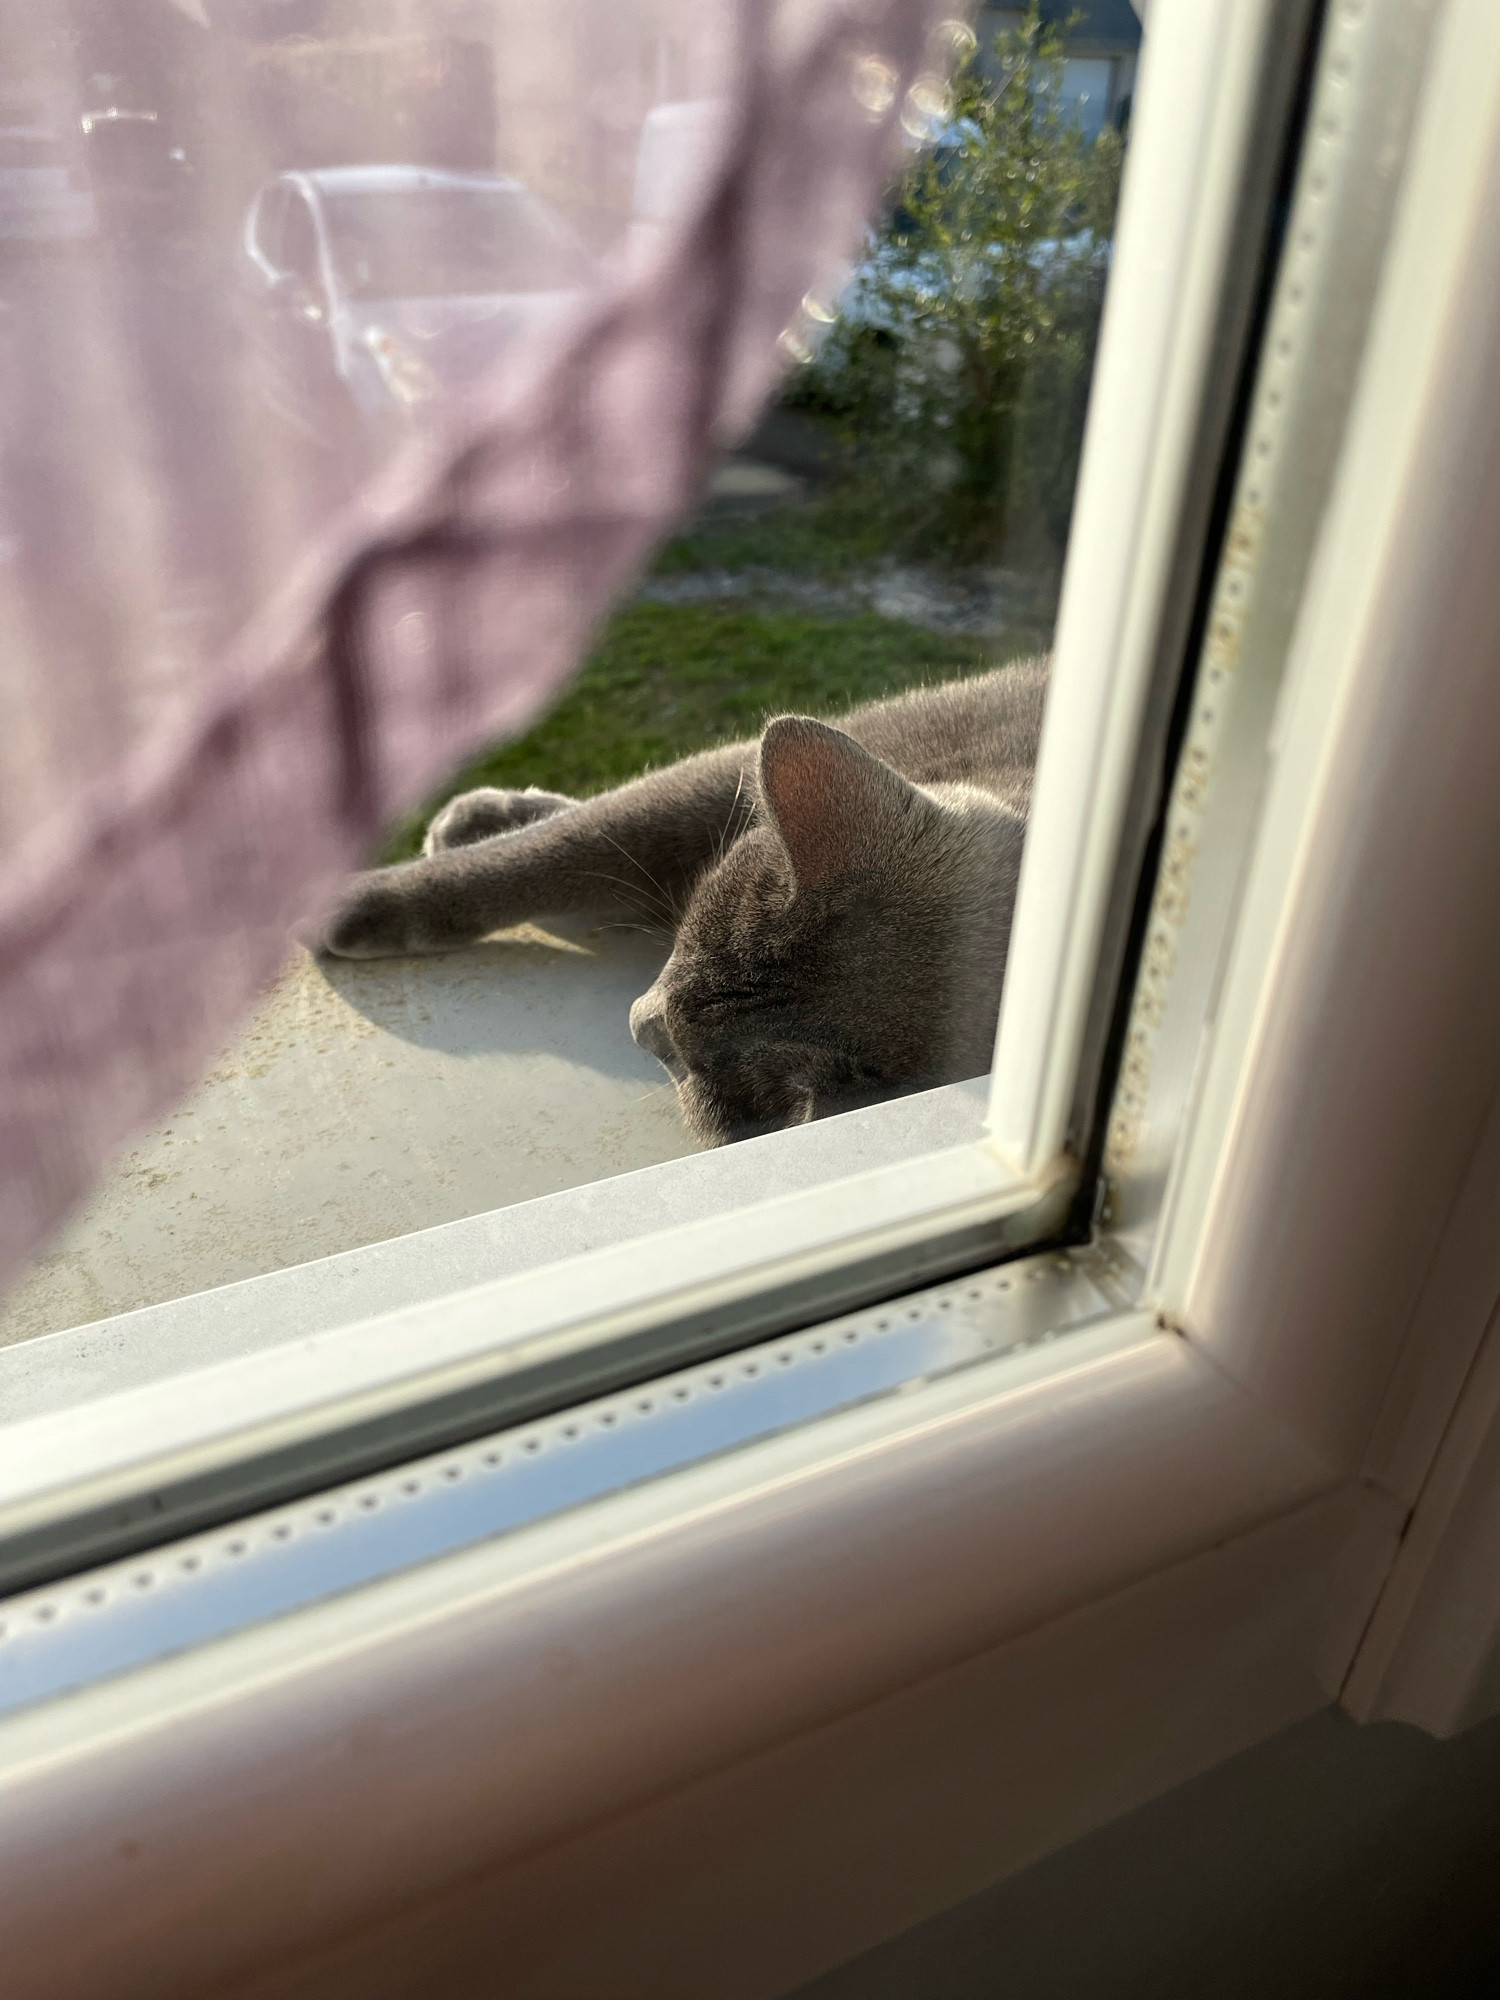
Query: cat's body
{"type": "Point", "coordinates": [840, 896]}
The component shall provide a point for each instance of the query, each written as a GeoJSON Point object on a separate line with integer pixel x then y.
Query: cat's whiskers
{"type": "Point", "coordinates": [667, 901]}
{"type": "Point", "coordinates": [634, 897]}
{"type": "Point", "coordinates": [721, 845]}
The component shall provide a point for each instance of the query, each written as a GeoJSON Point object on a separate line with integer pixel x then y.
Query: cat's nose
{"type": "Point", "coordinates": [648, 1026]}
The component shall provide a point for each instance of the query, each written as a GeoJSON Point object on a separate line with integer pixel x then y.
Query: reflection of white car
{"type": "Point", "coordinates": [416, 277]}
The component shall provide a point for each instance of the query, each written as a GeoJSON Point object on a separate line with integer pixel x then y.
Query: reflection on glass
{"type": "Point", "coordinates": [419, 277]}
{"type": "Point", "coordinates": [403, 235]}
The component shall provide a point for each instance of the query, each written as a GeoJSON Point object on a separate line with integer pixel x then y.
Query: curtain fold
{"type": "Point", "coordinates": [260, 591]}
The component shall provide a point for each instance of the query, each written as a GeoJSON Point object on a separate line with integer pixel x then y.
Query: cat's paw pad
{"type": "Point", "coordinates": [370, 922]}
{"type": "Point", "coordinates": [479, 815]}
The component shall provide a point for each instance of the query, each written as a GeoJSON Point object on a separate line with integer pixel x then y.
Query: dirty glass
{"type": "Point", "coordinates": [285, 280]}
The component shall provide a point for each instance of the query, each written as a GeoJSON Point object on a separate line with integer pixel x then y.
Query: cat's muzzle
{"type": "Point", "coordinates": [648, 1028]}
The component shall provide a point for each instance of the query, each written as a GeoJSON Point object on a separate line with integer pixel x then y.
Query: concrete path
{"type": "Point", "coordinates": [371, 1099]}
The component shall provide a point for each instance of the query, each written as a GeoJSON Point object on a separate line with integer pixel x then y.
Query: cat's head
{"type": "Point", "coordinates": [849, 947]}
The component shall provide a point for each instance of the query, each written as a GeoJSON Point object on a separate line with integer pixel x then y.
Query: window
{"type": "Point", "coordinates": [1171, 1381]}
{"type": "Point", "coordinates": [894, 519]}
{"type": "Point", "coordinates": [840, 1240]}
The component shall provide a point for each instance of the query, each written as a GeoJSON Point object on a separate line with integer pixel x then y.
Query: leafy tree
{"type": "Point", "coordinates": [959, 367]}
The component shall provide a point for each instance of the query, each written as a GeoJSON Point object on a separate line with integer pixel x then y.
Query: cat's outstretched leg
{"type": "Point", "coordinates": [481, 814]}
{"type": "Point", "coordinates": [634, 853]}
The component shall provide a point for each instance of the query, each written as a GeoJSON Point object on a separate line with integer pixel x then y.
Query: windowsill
{"type": "Point", "coordinates": [129, 1350]}
{"type": "Point", "coordinates": [368, 1100]}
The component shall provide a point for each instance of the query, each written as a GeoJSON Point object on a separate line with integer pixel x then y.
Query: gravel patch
{"type": "Point", "coordinates": [979, 604]}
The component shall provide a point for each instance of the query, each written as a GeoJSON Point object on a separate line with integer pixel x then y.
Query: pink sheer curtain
{"type": "Point", "coordinates": [357, 353]}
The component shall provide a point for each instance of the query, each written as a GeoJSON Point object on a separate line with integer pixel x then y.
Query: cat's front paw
{"type": "Point", "coordinates": [371, 921]}
{"type": "Point", "coordinates": [479, 815]}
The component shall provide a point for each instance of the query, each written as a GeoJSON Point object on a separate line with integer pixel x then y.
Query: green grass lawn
{"type": "Point", "coordinates": [825, 537]}
{"type": "Point", "coordinates": [666, 679]}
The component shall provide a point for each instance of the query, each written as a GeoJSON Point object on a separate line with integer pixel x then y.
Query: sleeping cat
{"type": "Point", "coordinates": [841, 896]}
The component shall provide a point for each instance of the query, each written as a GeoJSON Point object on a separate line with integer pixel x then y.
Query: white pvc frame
{"type": "Point", "coordinates": [1189, 134]}
{"type": "Point", "coordinates": [1191, 129]}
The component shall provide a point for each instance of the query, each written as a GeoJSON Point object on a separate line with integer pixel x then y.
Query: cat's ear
{"type": "Point", "coordinates": [835, 806]}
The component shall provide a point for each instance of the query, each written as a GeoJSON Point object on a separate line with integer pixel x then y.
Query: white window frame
{"type": "Point", "coordinates": [812, 1691]}
{"type": "Point", "coordinates": [1175, 233]}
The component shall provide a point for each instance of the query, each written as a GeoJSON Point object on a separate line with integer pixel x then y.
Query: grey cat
{"type": "Point", "coordinates": [841, 896]}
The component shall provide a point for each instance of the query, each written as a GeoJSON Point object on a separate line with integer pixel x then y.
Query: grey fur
{"type": "Point", "coordinates": [840, 897]}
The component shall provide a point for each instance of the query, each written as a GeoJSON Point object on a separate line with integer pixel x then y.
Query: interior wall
{"type": "Point", "coordinates": [1329, 1861]}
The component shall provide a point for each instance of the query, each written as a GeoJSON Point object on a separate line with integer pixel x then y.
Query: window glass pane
{"type": "Point", "coordinates": [801, 924]}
